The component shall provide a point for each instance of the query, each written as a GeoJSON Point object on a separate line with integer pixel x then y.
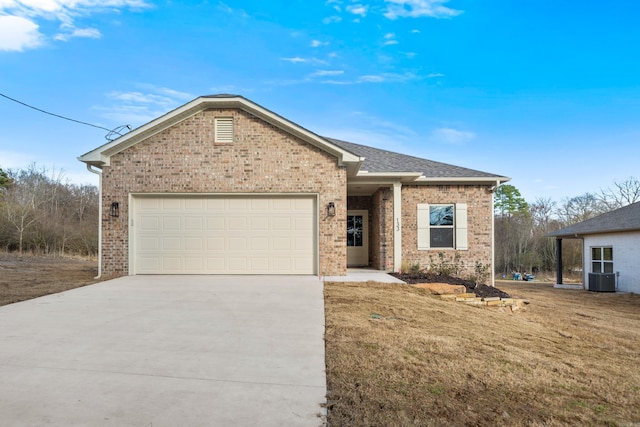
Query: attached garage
{"type": "Point", "coordinates": [223, 234]}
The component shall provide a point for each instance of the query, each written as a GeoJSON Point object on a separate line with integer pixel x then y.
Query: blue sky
{"type": "Point", "coordinates": [545, 92]}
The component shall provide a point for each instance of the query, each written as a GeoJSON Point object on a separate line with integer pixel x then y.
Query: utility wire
{"type": "Point", "coordinates": [57, 115]}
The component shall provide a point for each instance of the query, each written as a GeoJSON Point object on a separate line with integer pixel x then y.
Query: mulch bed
{"type": "Point", "coordinates": [482, 291]}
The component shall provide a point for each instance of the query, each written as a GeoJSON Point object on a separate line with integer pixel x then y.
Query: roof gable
{"type": "Point", "coordinates": [626, 218]}
{"type": "Point", "coordinates": [101, 156]}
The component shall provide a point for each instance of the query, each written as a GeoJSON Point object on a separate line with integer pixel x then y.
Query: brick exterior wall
{"type": "Point", "coordinates": [262, 159]}
{"type": "Point", "coordinates": [382, 218]}
{"type": "Point", "coordinates": [479, 205]}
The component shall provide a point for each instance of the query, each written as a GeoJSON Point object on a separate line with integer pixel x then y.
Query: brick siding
{"type": "Point", "coordinates": [262, 159]}
{"type": "Point", "coordinates": [479, 205]}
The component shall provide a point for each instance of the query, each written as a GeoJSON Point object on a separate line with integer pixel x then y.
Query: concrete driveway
{"type": "Point", "coordinates": [167, 351]}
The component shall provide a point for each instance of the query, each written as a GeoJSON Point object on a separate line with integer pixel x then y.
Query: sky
{"type": "Point", "coordinates": [545, 92]}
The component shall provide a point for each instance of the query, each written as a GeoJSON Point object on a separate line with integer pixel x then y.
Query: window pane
{"type": "Point", "coordinates": [441, 238]}
{"type": "Point", "coordinates": [441, 215]}
{"type": "Point", "coordinates": [608, 267]}
{"type": "Point", "coordinates": [596, 253]}
{"type": "Point", "coordinates": [596, 267]}
{"type": "Point", "coordinates": [354, 230]}
{"type": "Point", "coordinates": [607, 254]}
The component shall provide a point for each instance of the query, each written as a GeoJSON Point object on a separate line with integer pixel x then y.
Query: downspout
{"type": "Point", "coordinates": [493, 234]}
{"type": "Point", "coordinates": [99, 173]}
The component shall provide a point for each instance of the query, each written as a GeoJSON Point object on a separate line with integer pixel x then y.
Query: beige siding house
{"type": "Point", "coordinates": [222, 185]}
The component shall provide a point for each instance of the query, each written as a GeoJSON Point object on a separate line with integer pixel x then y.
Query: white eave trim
{"type": "Point", "coordinates": [463, 180]}
{"type": "Point", "coordinates": [101, 156]}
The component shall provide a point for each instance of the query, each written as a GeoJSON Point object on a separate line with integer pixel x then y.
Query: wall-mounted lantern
{"type": "Point", "coordinates": [331, 209]}
{"type": "Point", "coordinates": [115, 209]}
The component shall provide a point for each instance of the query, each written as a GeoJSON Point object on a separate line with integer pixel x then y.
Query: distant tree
{"type": "Point", "coordinates": [514, 229]}
{"type": "Point", "coordinates": [4, 179]}
{"type": "Point", "coordinates": [508, 201]}
{"type": "Point", "coordinates": [580, 208]}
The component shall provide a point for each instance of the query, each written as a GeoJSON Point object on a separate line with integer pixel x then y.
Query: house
{"type": "Point", "coordinates": [611, 244]}
{"type": "Point", "coordinates": [222, 185]}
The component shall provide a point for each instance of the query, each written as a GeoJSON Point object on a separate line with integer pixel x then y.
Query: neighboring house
{"type": "Point", "coordinates": [611, 244]}
{"type": "Point", "coordinates": [222, 185]}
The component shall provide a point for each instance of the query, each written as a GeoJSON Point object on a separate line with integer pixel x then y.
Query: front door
{"type": "Point", "coordinates": [357, 239]}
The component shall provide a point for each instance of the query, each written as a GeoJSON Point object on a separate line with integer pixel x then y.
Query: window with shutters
{"type": "Point", "coordinates": [442, 226]}
{"type": "Point", "coordinates": [224, 130]}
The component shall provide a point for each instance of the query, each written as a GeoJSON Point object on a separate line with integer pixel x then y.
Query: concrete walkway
{"type": "Point", "coordinates": [167, 351]}
{"type": "Point", "coordinates": [363, 275]}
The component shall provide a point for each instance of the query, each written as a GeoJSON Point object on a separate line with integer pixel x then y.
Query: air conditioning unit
{"type": "Point", "coordinates": [602, 282]}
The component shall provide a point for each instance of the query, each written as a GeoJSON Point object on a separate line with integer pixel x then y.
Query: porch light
{"type": "Point", "coordinates": [115, 209]}
{"type": "Point", "coordinates": [331, 209]}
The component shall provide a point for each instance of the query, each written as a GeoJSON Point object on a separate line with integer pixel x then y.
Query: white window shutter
{"type": "Point", "coordinates": [423, 226]}
{"type": "Point", "coordinates": [224, 130]}
{"type": "Point", "coordinates": [462, 240]}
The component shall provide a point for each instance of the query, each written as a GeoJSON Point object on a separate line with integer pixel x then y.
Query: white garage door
{"type": "Point", "coordinates": [224, 235]}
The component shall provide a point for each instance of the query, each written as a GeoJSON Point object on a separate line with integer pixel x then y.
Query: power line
{"type": "Point", "coordinates": [111, 131]}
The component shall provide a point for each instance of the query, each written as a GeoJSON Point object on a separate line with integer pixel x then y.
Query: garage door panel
{"type": "Point", "coordinates": [215, 223]}
{"type": "Point", "coordinates": [194, 263]}
{"type": "Point", "coordinates": [281, 244]}
{"type": "Point", "coordinates": [172, 263]}
{"type": "Point", "coordinates": [194, 223]}
{"type": "Point", "coordinates": [237, 204]}
{"type": "Point", "coordinates": [171, 244]}
{"type": "Point", "coordinates": [171, 223]}
{"type": "Point", "coordinates": [149, 243]}
{"type": "Point", "coordinates": [169, 204]}
{"type": "Point", "coordinates": [237, 223]}
{"type": "Point", "coordinates": [193, 244]}
{"type": "Point", "coordinates": [149, 222]}
{"type": "Point", "coordinates": [215, 244]}
{"type": "Point", "coordinates": [259, 223]}
{"type": "Point", "coordinates": [196, 204]}
{"type": "Point", "coordinates": [260, 244]}
{"type": "Point", "coordinates": [281, 223]}
{"type": "Point", "coordinates": [224, 235]}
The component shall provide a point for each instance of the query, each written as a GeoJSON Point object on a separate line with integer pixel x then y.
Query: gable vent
{"type": "Point", "coordinates": [224, 130]}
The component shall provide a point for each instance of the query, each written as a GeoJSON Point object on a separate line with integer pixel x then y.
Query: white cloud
{"type": "Point", "coordinates": [299, 60]}
{"type": "Point", "coordinates": [434, 75]}
{"type": "Point", "coordinates": [90, 33]}
{"type": "Point", "coordinates": [386, 78]}
{"type": "Point", "coordinates": [295, 60]}
{"type": "Point", "coordinates": [19, 29]}
{"type": "Point", "coordinates": [18, 33]}
{"type": "Point", "coordinates": [331, 19]}
{"type": "Point", "coordinates": [325, 73]}
{"type": "Point", "coordinates": [419, 8]}
{"type": "Point", "coordinates": [318, 43]}
{"type": "Point", "coordinates": [390, 39]}
{"type": "Point", "coordinates": [358, 9]}
{"type": "Point", "coordinates": [452, 136]}
{"type": "Point", "coordinates": [139, 107]}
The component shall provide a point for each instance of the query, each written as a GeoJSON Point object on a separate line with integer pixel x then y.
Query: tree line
{"type": "Point", "coordinates": [521, 241]}
{"type": "Point", "coordinates": [42, 213]}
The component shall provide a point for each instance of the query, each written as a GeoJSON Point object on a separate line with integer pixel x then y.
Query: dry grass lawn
{"type": "Point", "coordinates": [397, 356]}
{"type": "Point", "coordinates": [23, 277]}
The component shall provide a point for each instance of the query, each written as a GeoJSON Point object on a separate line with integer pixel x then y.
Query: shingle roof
{"type": "Point", "coordinates": [377, 160]}
{"type": "Point", "coordinates": [626, 218]}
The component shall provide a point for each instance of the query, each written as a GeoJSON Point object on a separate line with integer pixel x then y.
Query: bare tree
{"type": "Point", "coordinates": [622, 194]}
{"type": "Point", "coordinates": [44, 213]}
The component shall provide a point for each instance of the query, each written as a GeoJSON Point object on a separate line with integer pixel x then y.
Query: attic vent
{"type": "Point", "coordinates": [224, 130]}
